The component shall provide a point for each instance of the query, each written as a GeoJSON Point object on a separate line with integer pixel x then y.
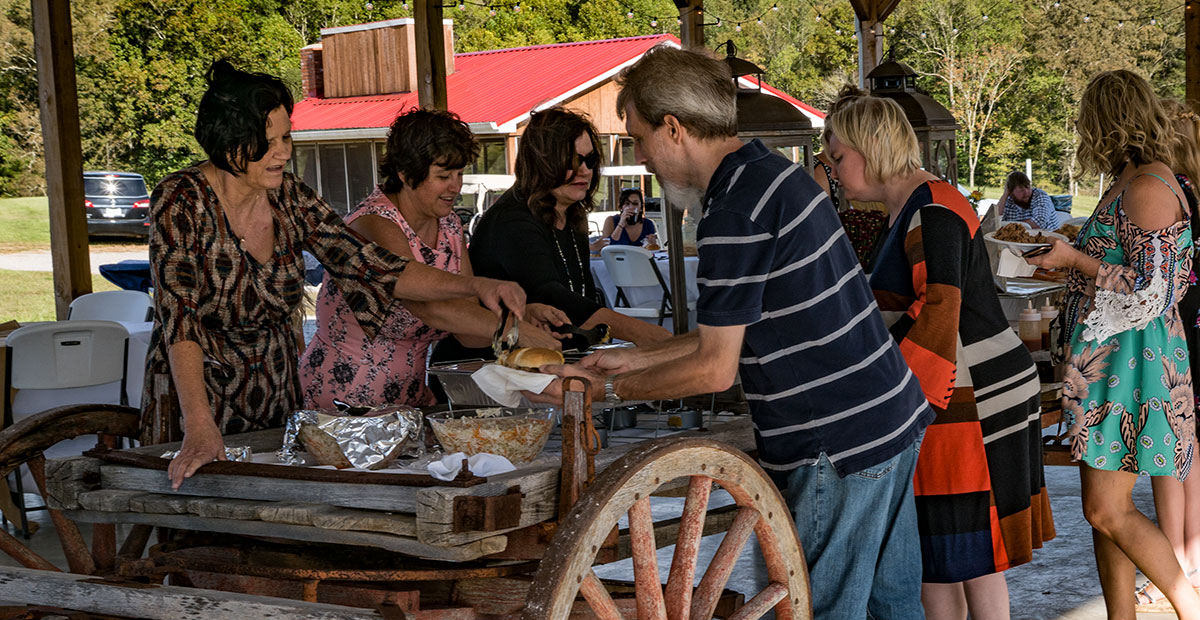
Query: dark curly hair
{"type": "Point", "coordinates": [231, 122]}
{"type": "Point", "coordinates": [545, 158]}
{"type": "Point", "coordinates": [420, 138]}
{"type": "Point", "coordinates": [626, 193]}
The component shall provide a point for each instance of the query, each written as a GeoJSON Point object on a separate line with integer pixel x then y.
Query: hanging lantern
{"type": "Point", "coordinates": [934, 125]}
{"type": "Point", "coordinates": [774, 121]}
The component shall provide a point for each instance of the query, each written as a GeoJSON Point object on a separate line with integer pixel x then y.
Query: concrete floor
{"type": "Point", "coordinates": [1060, 583]}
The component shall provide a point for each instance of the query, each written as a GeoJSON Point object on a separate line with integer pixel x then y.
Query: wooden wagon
{"type": "Point", "coordinates": [291, 542]}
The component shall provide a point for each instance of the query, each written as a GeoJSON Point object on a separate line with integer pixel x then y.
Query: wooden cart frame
{"type": "Point", "coordinates": [482, 536]}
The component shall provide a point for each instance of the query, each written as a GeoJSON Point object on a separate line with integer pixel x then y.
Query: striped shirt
{"type": "Point", "coordinates": [821, 372]}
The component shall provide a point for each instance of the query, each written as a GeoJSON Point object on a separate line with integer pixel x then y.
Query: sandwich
{"type": "Point", "coordinates": [529, 358]}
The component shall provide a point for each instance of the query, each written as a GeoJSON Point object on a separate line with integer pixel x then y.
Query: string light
{"type": "Point", "coordinates": [654, 23]}
{"type": "Point", "coordinates": [629, 14]}
{"type": "Point", "coordinates": [369, 6]}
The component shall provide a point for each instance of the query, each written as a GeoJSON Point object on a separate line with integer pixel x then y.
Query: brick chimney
{"type": "Point", "coordinates": [312, 74]}
{"type": "Point", "coordinates": [371, 59]}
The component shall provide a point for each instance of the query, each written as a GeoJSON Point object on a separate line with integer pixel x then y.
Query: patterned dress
{"type": "Point", "coordinates": [208, 290]}
{"type": "Point", "coordinates": [980, 489]}
{"type": "Point", "coordinates": [342, 363]}
{"type": "Point", "coordinates": [1127, 393]}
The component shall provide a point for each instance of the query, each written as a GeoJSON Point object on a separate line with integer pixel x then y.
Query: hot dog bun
{"type": "Point", "coordinates": [530, 359]}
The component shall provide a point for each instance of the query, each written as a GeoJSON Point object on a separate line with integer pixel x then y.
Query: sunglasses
{"type": "Point", "coordinates": [591, 160]}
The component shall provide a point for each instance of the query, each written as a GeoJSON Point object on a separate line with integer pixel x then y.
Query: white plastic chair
{"type": "Point", "coordinates": [58, 364]}
{"type": "Point", "coordinates": [630, 267]}
{"type": "Point", "coordinates": [112, 306]}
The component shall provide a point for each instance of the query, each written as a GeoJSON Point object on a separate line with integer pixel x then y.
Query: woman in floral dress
{"type": "Point", "coordinates": [412, 215]}
{"type": "Point", "coordinates": [1128, 388]}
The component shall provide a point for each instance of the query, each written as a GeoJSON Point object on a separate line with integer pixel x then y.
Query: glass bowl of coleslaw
{"type": "Point", "coordinates": [516, 434]}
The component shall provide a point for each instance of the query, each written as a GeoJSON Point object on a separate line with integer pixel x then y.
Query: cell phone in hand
{"type": "Point", "coordinates": [1038, 251]}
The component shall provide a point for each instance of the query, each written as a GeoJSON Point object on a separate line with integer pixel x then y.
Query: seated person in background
{"type": "Point", "coordinates": [1022, 203]}
{"type": "Point", "coordinates": [411, 214]}
{"type": "Point", "coordinates": [630, 226]}
{"type": "Point", "coordinates": [536, 231]}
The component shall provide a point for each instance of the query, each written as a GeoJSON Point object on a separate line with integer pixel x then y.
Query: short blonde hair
{"type": "Point", "coordinates": [1120, 117]}
{"type": "Point", "coordinates": [877, 128]}
{"type": "Point", "coordinates": [1186, 155]}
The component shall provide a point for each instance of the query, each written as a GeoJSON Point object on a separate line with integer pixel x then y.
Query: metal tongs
{"type": "Point", "coordinates": [503, 342]}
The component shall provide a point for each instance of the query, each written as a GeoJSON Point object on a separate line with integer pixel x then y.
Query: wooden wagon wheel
{"type": "Point", "coordinates": [26, 442]}
{"type": "Point", "coordinates": [625, 487]}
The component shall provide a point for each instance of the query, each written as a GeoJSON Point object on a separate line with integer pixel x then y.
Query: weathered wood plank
{"type": "Point", "coordinates": [80, 592]}
{"type": "Point", "coordinates": [160, 504]}
{"type": "Point", "coordinates": [67, 478]}
{"type": "Point", "coordinates": [435, 506]}
{"type": "Point", "coordinates": [221, 508]}
{"type": "Point", "coordinates": [107, 500]}
{"type": "Point", "coordinates": [400, 544]}
{"type": "Point", "coordinates": [375, 497]}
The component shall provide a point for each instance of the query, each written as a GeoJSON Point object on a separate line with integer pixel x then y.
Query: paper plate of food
{"type": "Point", "coordinates": [1070, 228]}
{"type": "Point", "coordinates": [1020, 238]}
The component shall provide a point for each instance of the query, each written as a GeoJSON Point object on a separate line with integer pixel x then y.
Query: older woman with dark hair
{"type": "Point", "coordinates": [412, 215]}
{"type": "Point", "coordinates": [536, 234]}
{"type": "Point", "coordinates": [225, 256]}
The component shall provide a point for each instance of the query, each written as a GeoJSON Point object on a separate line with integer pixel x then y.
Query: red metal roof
{"type": "Point", "coordinates": [481, 89]}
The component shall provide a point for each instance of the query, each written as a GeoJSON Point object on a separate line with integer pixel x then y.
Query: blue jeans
{"type": "Point", "coordinates": [859, 535]}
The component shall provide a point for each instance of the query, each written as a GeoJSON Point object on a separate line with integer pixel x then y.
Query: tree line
{"type": "Point", "coordinates": [1011, 71]}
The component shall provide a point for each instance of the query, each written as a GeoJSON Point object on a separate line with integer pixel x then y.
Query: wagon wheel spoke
{"type": "Point", "coordinates": [717, 575]}
{"type": "Point", "coordinates": [776, 563]}
{"type": "Point", "coordinates": [645, 562]}
{"type": "Point", "coordinates": [599, 599]}
{"type": "Point", "coordinates": [762, 602]}
{"type": "Point", "coordinates": [687, 548]}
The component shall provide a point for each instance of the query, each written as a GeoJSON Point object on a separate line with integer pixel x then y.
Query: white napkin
{"type": "Point", "coordinates": [1013, 266]}
{"type": "Point", "coordinates": [504, 385]}
{"type": "Point", "coordinates": [482, 465]}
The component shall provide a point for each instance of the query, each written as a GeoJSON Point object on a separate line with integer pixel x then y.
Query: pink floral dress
{"type": "Point", "coordinates": [341, 363]}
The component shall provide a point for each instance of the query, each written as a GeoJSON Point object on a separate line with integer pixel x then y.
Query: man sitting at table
{"type": "Point", "coordinates": [783, 301]}
{"type": "Point", "coordinates": [1024, 203]}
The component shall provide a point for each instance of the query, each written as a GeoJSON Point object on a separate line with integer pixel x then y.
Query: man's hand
{"type": "Point", "coordinates": [609, 362]}
{"type": "Point", "coordinates": [553, 394]}
{"type": "Point", "coordinates": [493, 293]}
{"type": "Point", "coordinates": [201, 446]}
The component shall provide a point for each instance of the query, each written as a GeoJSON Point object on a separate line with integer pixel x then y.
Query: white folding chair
{"type": "Point", "coordinates": [58, 364]}
{"type": "Point", "coordinates": [112, 306]}
{"type": "Point", "coordinates": [631, 267]}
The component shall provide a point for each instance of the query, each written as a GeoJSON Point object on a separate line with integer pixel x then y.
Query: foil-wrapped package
{"type": "Point", "coordinates": [371, 440]}
{"type": "Point", "coordinates": [240, 453]}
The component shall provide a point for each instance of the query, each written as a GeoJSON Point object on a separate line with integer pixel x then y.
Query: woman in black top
{"type": "Point", "coordinates": [536, 234]}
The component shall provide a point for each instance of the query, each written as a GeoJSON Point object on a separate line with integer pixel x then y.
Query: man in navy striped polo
{"type": "Point", "coordinates": [783, 301]}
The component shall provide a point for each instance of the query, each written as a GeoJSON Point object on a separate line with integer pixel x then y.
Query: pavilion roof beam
{"type": "Point", "coordinates": [431, 54]}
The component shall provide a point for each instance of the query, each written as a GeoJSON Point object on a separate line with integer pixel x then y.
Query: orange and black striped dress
{"type": "Point", "coordinates": [980, 489]}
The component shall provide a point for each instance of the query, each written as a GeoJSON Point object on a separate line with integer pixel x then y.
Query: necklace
{"type": "Point", "coordinates": [567, 265]}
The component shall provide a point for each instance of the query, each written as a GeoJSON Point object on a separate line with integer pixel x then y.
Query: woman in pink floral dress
{"type": "Point", "coordinates": [411, 214]}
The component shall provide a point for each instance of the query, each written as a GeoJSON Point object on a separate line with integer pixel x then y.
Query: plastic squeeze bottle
{"type": "Point", "coordinates": [1049, 313]}
{"type": "Point", "coordinates": [1029, 327]}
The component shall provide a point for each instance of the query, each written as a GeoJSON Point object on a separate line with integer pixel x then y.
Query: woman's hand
{"type": "Point", "coordinates": [1061, 254]}
{"type": "Point", "coordinates": [202, 444]}
{"type": "Point", "coordinates": [545, 317]}
{"type": "Point", "coordinates": [495, 293]}
{"type": "Point", "coordinates": [537, 337]}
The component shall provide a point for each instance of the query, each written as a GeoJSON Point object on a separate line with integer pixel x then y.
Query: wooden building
{"type": "Point", "coordinates": [358, 78]}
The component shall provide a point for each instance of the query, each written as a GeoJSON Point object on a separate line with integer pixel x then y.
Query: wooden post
{"type": "Point", "coordinates": [1191, 20]}
{"type": "Point", "coordinates": [431, 54]}
{"type": "Point", "coordinates": [870, 48]}
{"type": "Point", "coordinates": [691, 31]}
{"type": "Point", "coordinates": [59, 105]}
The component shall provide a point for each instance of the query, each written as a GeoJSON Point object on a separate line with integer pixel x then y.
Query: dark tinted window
{"type": "Point", "coordinates": [113, 187]}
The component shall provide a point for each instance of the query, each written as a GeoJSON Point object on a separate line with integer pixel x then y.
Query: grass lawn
{"type": "Point", "coordinates": [25, 225]}
{"type": "Point", "coordinates": [29, 295]}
